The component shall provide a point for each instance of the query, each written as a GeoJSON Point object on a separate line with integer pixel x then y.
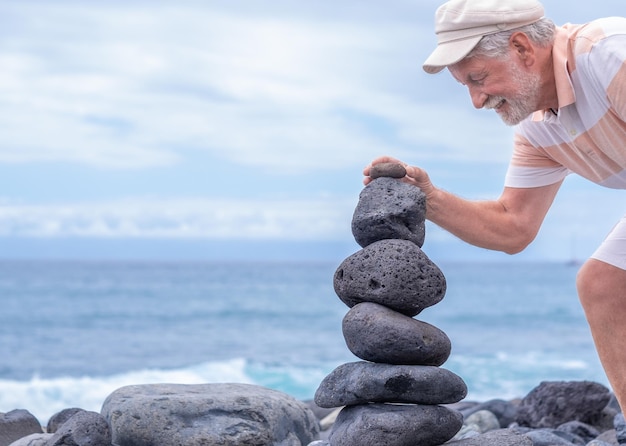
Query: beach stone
{"type": "Point", "coordinates": [33, 440]}
{"type": "Point", "coordinates": [604, 420]}
{"type": "Point", "coordinates": [201, 414]}
{"type": "Point", "coordinates": [391, 170]}
{"type": "Point", "coordinates": [505, 411]}
{"type": "Point", "coordinates": [84, 428]}
{"type": "Point", "coordinates": [546, 437]}
{"type": "Point", "coordinates": [394, 273]}
{"type": "Point", "coordinates": [597, 442]}
{"type": "Point", "coordinates": [467, 431]}
{"type": "Point", "coordinates": [580, 429]}
{"type": "Point", "coordinates": [362, 382]}
{"type": "Point", "coordinates": [500, 437]}
{"type": "Point", "coordinates": [389, 209]}
{"type": "Point", "coordinates": [484, 421]}
{"type": "Point", "coordinates": [394, 425]}
{"type": "Point", "coordinates": [553, 403]}
{"type": "Point", "coordinates": [376, 333]}
{"type": "Point", "coordinates": [17, 424]}
{"type": "Point", "coordinates": [57, 420]}
{"type": "Point", "coordinates": [608, 437]}
{"type": "Point", "coordinates": [620, 428]}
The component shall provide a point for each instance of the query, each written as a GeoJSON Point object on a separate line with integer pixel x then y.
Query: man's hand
{"type": "Point", "coordinates": [414, 175]}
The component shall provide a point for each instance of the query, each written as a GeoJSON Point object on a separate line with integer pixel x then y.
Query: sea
{"type": "Point", "coordinates": [72, 332]}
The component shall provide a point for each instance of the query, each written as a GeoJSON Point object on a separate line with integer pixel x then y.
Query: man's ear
{"type": "Point", "coordinates": [523, 47]}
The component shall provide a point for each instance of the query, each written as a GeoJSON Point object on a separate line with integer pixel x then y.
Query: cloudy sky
{"type": "Point", "coordinates": [239, 128]}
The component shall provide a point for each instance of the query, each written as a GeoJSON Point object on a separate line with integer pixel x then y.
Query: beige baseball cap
{"type": "Point", "coordinates": [460, 24]}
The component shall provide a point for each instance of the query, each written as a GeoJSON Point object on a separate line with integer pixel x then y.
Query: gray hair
{"type": "Point", "coordinates": [496, 45]}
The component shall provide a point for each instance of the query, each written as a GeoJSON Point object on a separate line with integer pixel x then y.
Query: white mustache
{"type": "Point", "coordinates": [493, 102]}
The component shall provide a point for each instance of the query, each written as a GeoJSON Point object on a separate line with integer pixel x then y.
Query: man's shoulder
{"type": "Point", "coordinates": [596, 30]}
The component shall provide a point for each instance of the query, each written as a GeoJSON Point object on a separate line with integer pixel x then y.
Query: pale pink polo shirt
{"type": "Point", "coordinates": [588, 135]}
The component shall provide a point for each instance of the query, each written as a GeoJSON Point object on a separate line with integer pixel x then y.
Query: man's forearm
{"type": "Point", "coordinates": [487, 224]}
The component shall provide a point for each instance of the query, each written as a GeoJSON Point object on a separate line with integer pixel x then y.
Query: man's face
{"type": "Point", "coordinates": [500, 84]}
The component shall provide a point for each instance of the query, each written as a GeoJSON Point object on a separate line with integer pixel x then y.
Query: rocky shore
{"type": "Point", "coordinates": [579, 413]}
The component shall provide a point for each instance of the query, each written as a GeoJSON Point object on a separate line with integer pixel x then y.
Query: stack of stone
{"type": "Point", "coordinates": [393, 396]}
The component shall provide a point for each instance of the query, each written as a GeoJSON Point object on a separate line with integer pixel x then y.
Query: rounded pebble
{"type": "Point", "coordinates": [392, 170]}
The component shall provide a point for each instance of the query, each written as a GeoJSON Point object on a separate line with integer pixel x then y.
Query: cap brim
{"type": "Point", "coordinates": [449, 53]}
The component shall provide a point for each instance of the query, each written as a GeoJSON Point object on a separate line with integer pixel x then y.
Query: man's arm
{"type": "Point", "coordinates": [507, 224]}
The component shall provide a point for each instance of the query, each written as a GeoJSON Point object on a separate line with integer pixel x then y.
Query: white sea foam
{"type": "Point", "coordinates": [506, 375]}
{"type": "Point", "coordinates": [44, 397]}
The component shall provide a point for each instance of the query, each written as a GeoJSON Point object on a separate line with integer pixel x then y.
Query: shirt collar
{"type": "Point", "coordinates": [564, 88]}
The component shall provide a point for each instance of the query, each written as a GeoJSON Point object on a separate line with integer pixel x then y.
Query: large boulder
{"type": "Point", "coordinates": [362, 382]}
{"type": "Point", "coordinates": [17, 424]}
{"type": "Point", "coordinates": [376, 333]}
{"type": "Point", "coordinates": [394, 273]}
{"type": "Point", "coordinates": [553, 403]}
{"type": "Point", "coordinates": [389, 209]}
{"type": "Point", "coordinates": [201, 414]}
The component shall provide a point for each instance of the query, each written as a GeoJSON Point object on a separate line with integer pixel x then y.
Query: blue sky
{"type": "Point", "coordinates": [239, 128]}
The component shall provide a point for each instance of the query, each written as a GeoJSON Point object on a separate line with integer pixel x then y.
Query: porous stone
{"type": "Point", "coordinates": [391, 170]}
{"type": "Point", "coordinates": [17, 424]}
{"type": "Point", "coordinates": [394, 273]}
{"type": "Point", "coordinates": [376, 333]}
{"type": "Point", "coordinates": [57, 420]}
{"type": "Point", "coordinates": [500, 437]}
{"type": "Point", "coordinates": [84, 428]}
{"type": "Point", "coordinates": [553, 403]}
{"type": "Point", "coordinates": [389, 209]}
{"type": "Point", "coordinates": [394, 425]}
{"type": "Point", "coordinates": [362, 382]}
{"type": "Point", "coordinates": [199, 414]}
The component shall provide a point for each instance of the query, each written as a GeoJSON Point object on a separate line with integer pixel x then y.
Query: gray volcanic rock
{"type": "Point", "coordinates": [553, 403]}
{"type": "Point", "coordinates": [376, 333]}
{"type": "Point", "coordinates": [203, 414]}
{"type": "Point", "coordinates": [505, 411]}
{"type": "Point", "coordinates": [85, 428]}
{"type": "Point", "coordinates": [580, 429]}
{"type": "Point", "coordinates": [394, 425]}
{"type": "Point", "coordinates": [17, 424]}
{"type": "Point", "coordinates": [389, 209]}
{"type": "Point", "coordinates": [363, 382]}
{"type": "Point", "coordinates": [394, 273]}
{"type": "Point", "coordinates": [500, 437]}
{"type": "Point", "coordinates": [59, 418]}
{"type": "Point", "coordinates": [33, 440]}
{"type": "Point", "coordinates": [620, 428]}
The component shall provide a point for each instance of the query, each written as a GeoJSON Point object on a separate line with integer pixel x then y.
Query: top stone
{"type": "Point", "coordinates": [391, 170]}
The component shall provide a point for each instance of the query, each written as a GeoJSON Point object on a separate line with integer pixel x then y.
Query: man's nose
{"type": "Point", "coordinates": [478, 97]}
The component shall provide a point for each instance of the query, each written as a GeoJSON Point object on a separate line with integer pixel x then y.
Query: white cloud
{"type": "Point", "coordinates": [127, 85]}
{"type": "Point", "coordinates": [315, 219]}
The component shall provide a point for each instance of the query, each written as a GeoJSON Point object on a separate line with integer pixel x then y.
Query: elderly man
{"type": "Point", "coordinates": [564, 88]}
